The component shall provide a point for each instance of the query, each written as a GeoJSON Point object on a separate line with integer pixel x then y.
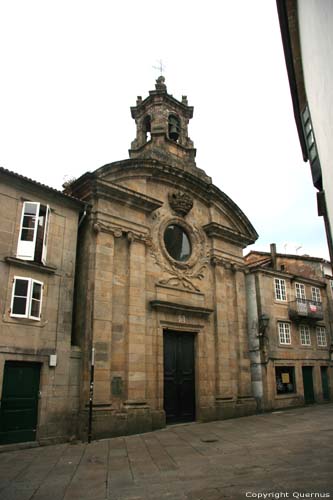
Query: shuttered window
{"type": "Point", "coordinates": [26, 298]}
{"type": "Point", "coordinates": [32, 243]}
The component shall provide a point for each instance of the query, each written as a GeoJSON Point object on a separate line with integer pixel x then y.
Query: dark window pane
{"type": "Point", "coordinates": [28, 222]}
{"type": "Point", "coordinates": [177, 242]}
{"type": "Point", "coordinates": [21, 288]}
{"type": "Point", "coordinates": [36, 291]}
{"type": "Point", "coordinates": [19, 305]}
{"type": "Point", "coordinates": [35, 307]}
{"type": "Point", "coordinates": [27, 235]}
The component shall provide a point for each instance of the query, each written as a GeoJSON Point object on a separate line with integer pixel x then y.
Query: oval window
{"type": "Point", "coordinates": [177, 242]}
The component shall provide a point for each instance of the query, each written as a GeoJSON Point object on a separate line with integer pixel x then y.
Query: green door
{"type": "Point", "coordinates": [308, 384]}
{"type": "Point", "coordinates": [19, 403]}
{"type": "Point", "coordinates": [324, 382]}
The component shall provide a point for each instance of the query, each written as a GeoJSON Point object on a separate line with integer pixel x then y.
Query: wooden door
{"type": "Point", "coordinates": [179, 377]}
{"type": "Point", "coordinates": [308, 384]}
{"type": "Point", "coordinates": [19, 402]}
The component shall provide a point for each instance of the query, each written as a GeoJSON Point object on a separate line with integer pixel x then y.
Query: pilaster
{"type": "Point", "coordinates": [136, 341]}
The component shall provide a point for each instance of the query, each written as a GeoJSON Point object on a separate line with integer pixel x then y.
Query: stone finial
{"type": "Point", "coordinates": [180, 202]}
{"type": "Point", "coordinates": [160, 85]}
{"type": "Point", "coordinates": [184, 100]}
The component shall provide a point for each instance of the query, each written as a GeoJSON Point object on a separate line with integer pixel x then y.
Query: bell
{"type": "Point", "coordinates": [173, 133]}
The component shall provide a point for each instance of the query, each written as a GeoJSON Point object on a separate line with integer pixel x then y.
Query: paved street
{"type": "Point", "coordinates": [289, 452]}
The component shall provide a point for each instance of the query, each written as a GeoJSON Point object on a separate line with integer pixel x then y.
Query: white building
{"type": "Point", "coordinates": [307, 36]}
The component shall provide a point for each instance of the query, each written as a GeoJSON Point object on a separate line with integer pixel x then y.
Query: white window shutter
{"type": "Point", "coordinates": [28, 231]}
{"type": "Point", "coordinates": [45, 236]}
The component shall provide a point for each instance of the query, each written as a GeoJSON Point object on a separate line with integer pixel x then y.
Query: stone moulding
{"type": "Point", "coordinates": [126, 196]}
{"type": "Point", "coordinates": [215, 230]}
{"type": "Point", "coordinates": [31, 265]}
{"type": "Point", "coordinates": [180, 308]}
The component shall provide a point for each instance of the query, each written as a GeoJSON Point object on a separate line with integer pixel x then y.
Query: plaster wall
{"type": "Point", "coordinates": [316, 39]}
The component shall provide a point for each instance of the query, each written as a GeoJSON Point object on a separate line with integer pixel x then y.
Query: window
{"type": "Point", "coordinates": [300, 291]}
{"type": "Point", "coordinates": [280, 289]}
{"type": "Point", "coordinates": [285, 379]}
{"type": "Point", "coordinates": [26, 298]}
{"type": "Point", "coordinates": [309, 137]}
{"type": "Point", "coordinates": [177, 242]}
{"type": "Point", "coordinates": [321, 336]}
{"type": "Point", "coordinates": [305, 335]}
{"type": "Point", "coordinates": [315, 293]}
{"type": "Point", "coordinates": [32, 243]}
{"type": "Point", "coordinates": [284, 333]}
{"type": "Point", "coordinates": [331, 284]}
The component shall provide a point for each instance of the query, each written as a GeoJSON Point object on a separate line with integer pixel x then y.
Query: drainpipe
{"type": "Point", "coordinates": [254, 341]}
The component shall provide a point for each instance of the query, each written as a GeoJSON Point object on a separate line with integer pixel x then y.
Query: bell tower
{"type": "Point", "coordinates": [162, 128]}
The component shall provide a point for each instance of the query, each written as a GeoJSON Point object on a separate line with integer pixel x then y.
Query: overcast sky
{"type": "Point", "coordinates": [70, 70]}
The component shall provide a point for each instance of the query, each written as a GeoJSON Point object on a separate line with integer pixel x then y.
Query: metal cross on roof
{"type": "Point", "coordinates": [160, 67]}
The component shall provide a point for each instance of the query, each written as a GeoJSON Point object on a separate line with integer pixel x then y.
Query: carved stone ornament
{"type": "Point", "coordinates": [180, 202]}
{"type": "Point", "coordinates": [183, 275]}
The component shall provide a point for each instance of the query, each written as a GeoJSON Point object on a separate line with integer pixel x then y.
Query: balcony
{"type": "Point", "coordinates": [301, 309]}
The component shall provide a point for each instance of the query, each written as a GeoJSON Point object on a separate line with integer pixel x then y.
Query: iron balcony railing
{"type": "Point", "coordinates": [305, 309]}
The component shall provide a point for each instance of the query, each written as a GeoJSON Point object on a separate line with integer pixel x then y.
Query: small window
{"type": "Point", "coordinates": [305, 335]}
{"type": "Point", "coordinates": [285, 379]}
{"type": "Point", "coordinates": [284, 333]}
{"type": "Point", "coordinates": [26, 298]}
{"type": "Point", "coordinates": [32, 243]}
{"type": "Point", "coordinates": [280, 289]}
{"type": "Point", "coordinates": [309, 136]}
{"type": "Point", "coordinates": [315, 294]}
{"type": "Point", "coordinates": [321, 336]}
{"type": "Point", "coordinates": [300, 291]}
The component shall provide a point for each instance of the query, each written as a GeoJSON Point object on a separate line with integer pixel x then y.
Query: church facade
{"type": "Point", "coordinates": [160, 306]}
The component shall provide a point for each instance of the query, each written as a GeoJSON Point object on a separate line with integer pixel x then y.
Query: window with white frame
{"type": "Point", "coordinates": [284, 333]}
{"type": "Point", "coordinates": [300, 291]}
{"type": "Point", "coordinates": [315, 294]}
{"type": "Point", "coordinates": [321, 336]}
{"type": "Point", "coordinates": [280, 289]}
{"type": "Point", "coordinates": [32, 242]}
{"type": "Point", "coordinates": [26, 298]}
{"type": "Point", "coordinates": [305, 336]}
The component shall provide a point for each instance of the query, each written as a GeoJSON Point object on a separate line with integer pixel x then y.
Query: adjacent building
{"type": "Point", "coordinates": [39, 367]}
{"type": "Point", "coordinates": [290, 328]}
{"type": "Point", "coordinates": [307, 36]}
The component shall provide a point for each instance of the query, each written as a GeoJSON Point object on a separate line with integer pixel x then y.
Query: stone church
{"type": "Point", "coordinates": [160, 306]}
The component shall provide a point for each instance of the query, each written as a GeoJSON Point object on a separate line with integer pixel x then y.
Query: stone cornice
{"type": "Point", "coordinates": [227, 264]}
{"type": "Point", "coordinates": [119, 231]}
{"type": "Point", "coordinates": [180, 308]}
{"type": "Point", "coordinates": [126, 196]}
{"type": "Point", "coordinates": [91, 186]}
{"type": "Point", "coordinates": [215, 230]}
{"type": "Point", "coordinates": [289, 276]}
{"type": "Point", "coordinates": [188, 177]}
{"type": "Point", "coordinates": [29, 264]}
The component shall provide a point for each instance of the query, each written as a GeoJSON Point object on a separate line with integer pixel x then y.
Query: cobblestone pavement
{"type": "Point", "coordinates": [285, 454]}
